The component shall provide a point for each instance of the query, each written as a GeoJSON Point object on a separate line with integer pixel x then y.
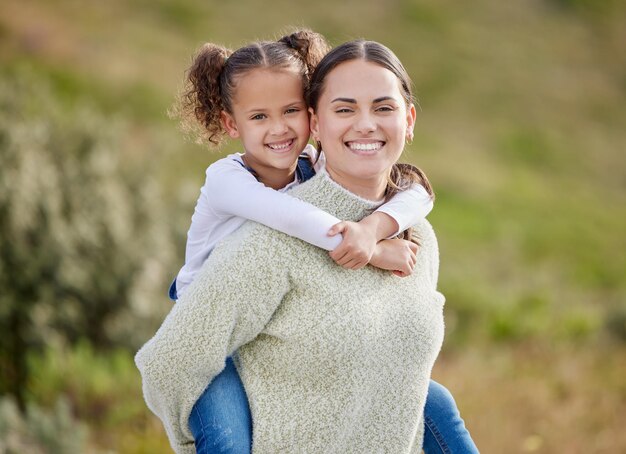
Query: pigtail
{"type": "Point", "coordinates": [200, 103]}
{"type": "Point", "coordinates": [401, 178]}
{"type": "Point", "coordinates": [310, 47]}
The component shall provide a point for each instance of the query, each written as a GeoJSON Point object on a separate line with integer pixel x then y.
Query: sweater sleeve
{"type": "Point", "coordinates": [408, 207]}
{"type": "Point", "coordinates": [234, 191]}
{"type": "Point", "coordinates": [228, 304]}
{"type": "Point", "coordinates": [428, 253]}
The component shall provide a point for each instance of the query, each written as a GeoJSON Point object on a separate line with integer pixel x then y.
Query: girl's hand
{"type": "Point", "coordinates": [398, 256]}
{"type": "Point", "coordinates": [357, 247]}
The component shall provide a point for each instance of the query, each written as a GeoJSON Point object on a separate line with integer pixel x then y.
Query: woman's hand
{"type": "Point", "coordinates": [398, 256]}
{"type": "Point", "coordinates": [358, 245]}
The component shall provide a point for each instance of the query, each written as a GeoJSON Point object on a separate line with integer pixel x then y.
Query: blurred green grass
{"type": "Point", "coordinates": [521, 131]}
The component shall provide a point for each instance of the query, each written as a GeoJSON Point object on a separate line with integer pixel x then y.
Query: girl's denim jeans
{"type": "Point", "coordinates": [444, 429]}
{"type": "Point", "coordinates": [220, 420]}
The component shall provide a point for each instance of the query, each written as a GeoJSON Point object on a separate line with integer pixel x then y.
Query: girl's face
{"type": "Point", "coordinates": [270, 117]}
{"type": "Point", "coordinates": [362, 122]}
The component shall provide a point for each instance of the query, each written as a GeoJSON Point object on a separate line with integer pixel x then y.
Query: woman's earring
{"type": "Point", "coordinates": [409, 138]}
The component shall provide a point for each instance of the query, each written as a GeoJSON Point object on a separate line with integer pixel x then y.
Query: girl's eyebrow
{"type": "Point", "coordinates": [263, 109]}
{"type": "Point", "coordinates": [295, 103]}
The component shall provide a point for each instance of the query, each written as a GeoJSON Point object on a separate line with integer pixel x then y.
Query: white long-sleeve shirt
{"type": "Point", "coordinates": [231, 195]}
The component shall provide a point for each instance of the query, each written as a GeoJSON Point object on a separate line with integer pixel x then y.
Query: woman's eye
{"type": "Point", "coordinates": [343, 110]}
{"type": "Point", "coordinates": [385, 109]}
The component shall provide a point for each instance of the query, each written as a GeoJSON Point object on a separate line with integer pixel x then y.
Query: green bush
{"type": "Point", "coordinates": [84, 241]}
{"type": "Point", "coordinates": [40, 431]}
{"type": "Point", "coordinates": [103, 388]}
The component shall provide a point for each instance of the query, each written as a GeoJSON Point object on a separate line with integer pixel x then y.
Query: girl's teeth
{"type": "Point", "coordinates": [280, 146]}
{"type": "Point", "coordinates": [365, 146]}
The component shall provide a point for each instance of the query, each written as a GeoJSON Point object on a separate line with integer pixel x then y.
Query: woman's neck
{"type": "Point", "coordinates": [367, 188]}
{"type": "Point", "coordinates": [270, 176]}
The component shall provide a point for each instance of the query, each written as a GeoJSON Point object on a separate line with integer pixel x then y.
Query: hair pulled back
{"type": "Point", "coordinates": [211, 80]}
{"type": "Point", "coordinates": [402, 176]}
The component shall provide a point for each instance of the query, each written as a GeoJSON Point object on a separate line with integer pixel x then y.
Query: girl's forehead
{"type": "Point", "coordinates": [262, 73]}
{"type": "Point", "coordinates": [264, 87]}
{"type": "Point", "coordinates": [260, 77]}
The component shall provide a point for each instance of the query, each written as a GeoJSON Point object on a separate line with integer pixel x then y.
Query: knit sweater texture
{"type": "Point", "coordinates": [332, 360]}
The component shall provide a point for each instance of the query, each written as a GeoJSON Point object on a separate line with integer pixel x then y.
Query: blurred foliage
{"type": "Point", "coordinates": [102, 389]}
{"type": "Point", "coordinates": [39, 431]}
{"type": "Point", "coordinates": [82, 242]}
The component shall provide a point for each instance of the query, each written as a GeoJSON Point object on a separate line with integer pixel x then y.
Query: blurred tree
{"type": "Point", "coordinates": [83, 236]}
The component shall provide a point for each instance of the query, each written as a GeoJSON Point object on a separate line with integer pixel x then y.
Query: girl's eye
{"type": "Point", "coordinates": [257, 117]}
{"type": "Point", "coordinates": [292, 110]}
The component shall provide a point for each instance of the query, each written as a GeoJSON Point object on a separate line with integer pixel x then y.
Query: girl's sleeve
{"type": "Point", "coordinates": [234, 191]}
{"type": "Point", "coordinates": [408, 207]}
{"type": "Point", "coordinates": [228, 304]}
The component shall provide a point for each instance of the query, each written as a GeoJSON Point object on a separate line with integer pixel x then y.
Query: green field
{"type": "Point", "coordinates": [521, 129]}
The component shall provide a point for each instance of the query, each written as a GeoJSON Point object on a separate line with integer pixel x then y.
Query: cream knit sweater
{"type": "Point", "coordinates": [332, 360]}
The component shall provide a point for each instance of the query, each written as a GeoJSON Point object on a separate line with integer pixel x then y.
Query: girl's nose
{"type": "Point", "coordinates": [279, 127]}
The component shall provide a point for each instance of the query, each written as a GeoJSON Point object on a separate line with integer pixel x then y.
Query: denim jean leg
{"type": "Point", "coordinates": [444, 429]}
{"type": "Point", "coordinates": [220, 420]}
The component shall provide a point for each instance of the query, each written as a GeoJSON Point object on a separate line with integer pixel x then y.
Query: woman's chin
{"type": "Point", "coordinates": [359, 175]}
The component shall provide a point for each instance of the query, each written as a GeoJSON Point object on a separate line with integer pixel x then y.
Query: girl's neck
{"type": "Point", "coordinates": [270, 176]}
{"type": "Point", "coordinates": [368, 188]}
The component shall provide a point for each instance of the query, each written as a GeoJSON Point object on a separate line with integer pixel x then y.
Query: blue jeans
{"type": "Point", "coordinates": [444, 429]}
{"type": "Point", "coordinates": [220, 420]}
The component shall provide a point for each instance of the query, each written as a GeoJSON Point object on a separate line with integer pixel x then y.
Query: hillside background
{"type": "Point", "coordinates": [521, 130]}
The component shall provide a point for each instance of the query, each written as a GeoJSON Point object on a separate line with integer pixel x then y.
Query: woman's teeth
{"type": "Point", "coordinates": [365, 146]}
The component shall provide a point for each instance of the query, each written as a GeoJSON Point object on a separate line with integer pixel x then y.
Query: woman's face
{"type": "Point", "coordinates": [362, 122]}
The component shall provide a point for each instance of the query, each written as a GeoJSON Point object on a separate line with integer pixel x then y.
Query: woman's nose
{"type": "Point", "coordinates": [365, 123]}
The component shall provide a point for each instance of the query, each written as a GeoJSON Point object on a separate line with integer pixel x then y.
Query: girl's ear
{"type": "Point", "coordinates": [230, 125]}
{"type": "Point", "coordinates": [314, 124]}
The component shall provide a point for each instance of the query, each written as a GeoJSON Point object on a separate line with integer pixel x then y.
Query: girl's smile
{"type": "Point", "coordinates": [281, 147]}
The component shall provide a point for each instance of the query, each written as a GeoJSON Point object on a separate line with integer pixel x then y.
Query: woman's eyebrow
{"type": "Point", "coordinates": [384, 98]}
{"type": "Point", "coordinates": [353, 101]}
{"type": "Point", "coordinates": [349, 100]}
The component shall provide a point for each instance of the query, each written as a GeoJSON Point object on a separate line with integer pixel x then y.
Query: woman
{"type": "Point", "coordinates": [332, 360]}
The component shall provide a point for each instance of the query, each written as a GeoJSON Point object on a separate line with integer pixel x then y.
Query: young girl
{"type": "Point", "coordinates": [255, 94]}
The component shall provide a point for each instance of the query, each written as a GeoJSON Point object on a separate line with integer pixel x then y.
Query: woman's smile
{"type": "Point", "coordinates": [365, 147]}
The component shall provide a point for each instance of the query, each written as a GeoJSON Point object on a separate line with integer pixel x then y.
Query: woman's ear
{"type": "Point", "coordinates": [314, 125]}
{"type": "Point", "coordinates": [230, 125]}
{"type": "Point", "coordinates": [411, 115]}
